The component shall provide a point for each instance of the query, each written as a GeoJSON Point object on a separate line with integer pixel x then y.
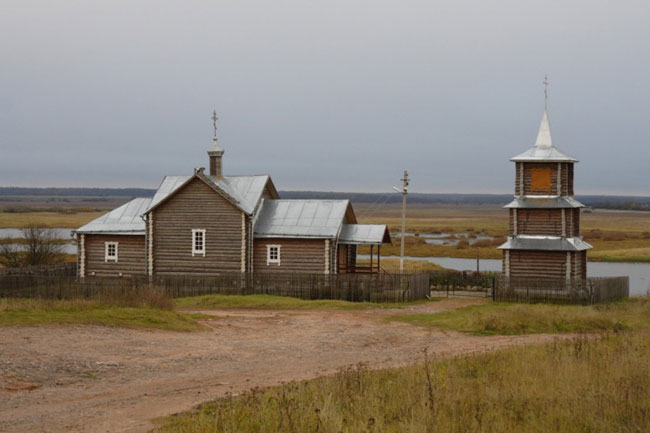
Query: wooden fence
{"type": "Point", "coordinates": [589, 291]}
{"type": "Point", "coordinates": [68, 269]}
{"type": "Point", "coordinates": [456, 283]}
{"type": "Point", "coordinates": [348, 287]}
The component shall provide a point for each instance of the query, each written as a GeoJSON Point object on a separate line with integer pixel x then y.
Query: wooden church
{"type": "Point", "coordinates": [211, 223]}
{"type": "Point", "coordinates": [544, 239]}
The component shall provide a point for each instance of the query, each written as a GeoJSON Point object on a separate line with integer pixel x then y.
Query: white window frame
{"type": "Point", "coordinates": [195, 251]}
{"type": "Point", "coordinates": [273, 261]}
{"type": "Point", "coordinates": [107, 257]}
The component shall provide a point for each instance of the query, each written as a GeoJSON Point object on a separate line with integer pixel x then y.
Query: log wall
{"type": "Point", "coordinates": [130, 255]}
{"type": "Point", "coordinates": [197, 206]}
{"type": "Point", "coordinates": [537, 264]}
{"type": "Point", "coordinates": [545, 222]}
{"type": "Point", "coordinates": [576, 221]}
{"type": "Point", "coordinates": [267, 193]}
{"type": "Point", "coordinates": [296, 255]}
{"type": "Point", "coordinates": [537, 222]}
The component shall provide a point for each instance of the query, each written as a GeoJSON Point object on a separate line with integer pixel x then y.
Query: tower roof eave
{"type": "Point", "coordinates": [545, 243]}
{"type": "Point", "coordinates": [543, 154]}
{"type": "Point", "coordinates": [537, 202]}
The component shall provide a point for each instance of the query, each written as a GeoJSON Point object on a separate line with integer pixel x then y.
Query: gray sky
{"type": "Point", "coordinates": [325, 95]}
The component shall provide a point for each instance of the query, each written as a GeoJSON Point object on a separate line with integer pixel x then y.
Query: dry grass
{"type": "Point", "coordinates": [417, 247]}
{"type": "Point", "coordinates": [34, 312]}
{"type": "Point", "coordinates": [392, 265]}
{"type": "Point", "coordinates": [141, 309]}
{"type": "Point", "coordinates": [510, 319]}
{"type": "Point", "coordinates": [269, 302]}
{"type": "Point", "coordinates": [62, 219]}
{"type": "Point", "coordinates": [616, 235]}
{"type": "Point", "coordinates": [582, 385]}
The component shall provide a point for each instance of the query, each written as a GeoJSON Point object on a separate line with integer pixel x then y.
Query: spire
{"type": "Point", "coordinates": [215, 152]}
{"type": "Point", "coordinates": [544, 134]}
{"type": "Point", "coordinates": [215, 145]}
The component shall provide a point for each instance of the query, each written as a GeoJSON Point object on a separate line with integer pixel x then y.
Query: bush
{"type": "Point", "coordinates": [41, 247]}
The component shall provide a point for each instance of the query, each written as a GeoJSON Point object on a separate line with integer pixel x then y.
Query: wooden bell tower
{"type": "Point", "coordinates": [544, 239]}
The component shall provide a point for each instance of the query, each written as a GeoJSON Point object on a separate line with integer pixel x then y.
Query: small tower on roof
{"type": "Point", "coordinates": [216, 152]}
{"type": "Point", "coordinates": [544, 240]}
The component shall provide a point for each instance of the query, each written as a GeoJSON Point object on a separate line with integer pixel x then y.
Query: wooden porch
{"type": "Point", "coordinates": [347, 260]}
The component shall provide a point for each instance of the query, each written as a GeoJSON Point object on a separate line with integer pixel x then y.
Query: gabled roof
{"type": "Point", "coordinates": [249, 188]}
{"type": "Point", "coordinates": [364, 234]}
{"type": "Point", "coordinates": [243, 191]}
{"type": "Point", "coordinates": [544, 151]}
{"type": "Point", "coordinates": [545, 243]}
{"type": "Point", "coordinates": [168, 185]}
{"type": "Point", "coordinates": [301, 218]}
{"type": "Point", "coordinates": [124, 220]}
{"type": "Point", "coordinates": [537, 202]}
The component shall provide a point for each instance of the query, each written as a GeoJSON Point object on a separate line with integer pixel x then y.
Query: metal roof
{"type": "Point", "coordinates": [124, 220]}
{"type": "Point", "coordinates": [530, 202]}
{"type": "Point", "coordinates": [370, 234]}
{"type": "Point", "coordinates": [544, 149]}
{"type": "Point", "coordinates": [545, 243]}
{"type": "Point", "coordinates": [245, 190]}
{"type": "Point", "coordinates": [300, 218]}
{"type": "Point", "coordinates": [168, 185]}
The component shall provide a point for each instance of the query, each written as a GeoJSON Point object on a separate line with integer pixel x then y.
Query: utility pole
{"type": "Point", "coordinates": [405, 184]}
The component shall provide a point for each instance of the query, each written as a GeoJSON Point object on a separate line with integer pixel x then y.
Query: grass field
{"type": "Point", "coordinates": [156, 311]}
{"type": "Point", "coordinates": [392, 265]}
{"type": "Point", "coordinates": [268, 302]}
{"type": "Point", "coordinates": [511, 319]}
{"type": "Point", "coordinates": [583, 385]}
{"type": "Point", "coordinates": [622, 236]}
{"type": "Point", "coordinates": [64, 219]}
{"type": "Point", "coordinates": [615, 235]}
{"type": "Point", "coordinates": [32, 312]}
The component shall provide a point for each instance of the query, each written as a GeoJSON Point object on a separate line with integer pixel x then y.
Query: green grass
{"type": "Point", "coordinates": [30, 312]}
{"type": "Point", "coordinates": [268, 302]}
{"type": "Point", "coordinates": [512, 319]}
{"type": "Point", "coordinates": [583, 385]}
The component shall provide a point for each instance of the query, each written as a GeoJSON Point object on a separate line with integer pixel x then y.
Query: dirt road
{"type": "Point", "coordinates": [91, 378]}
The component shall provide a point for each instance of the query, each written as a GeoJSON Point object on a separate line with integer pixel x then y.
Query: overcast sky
{"type": "Point", "coordinates": [323, 95]}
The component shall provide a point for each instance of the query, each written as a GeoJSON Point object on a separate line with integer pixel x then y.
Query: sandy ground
{"type": "Point", "coordinates": [99, 379]}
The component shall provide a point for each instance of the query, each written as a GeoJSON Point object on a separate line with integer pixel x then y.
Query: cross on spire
{"type": "Point", "coordinates": [214, 121]}
{"type": "Point", "coordinates": [545, 90]}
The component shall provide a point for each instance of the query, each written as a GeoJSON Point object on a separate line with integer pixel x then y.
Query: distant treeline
{"type": "Point", "coordinates": [595, 201]}
{"type": "Point", "coordinates": [394, 197]}
{"type": "Point", "coordinates": [78, 192]}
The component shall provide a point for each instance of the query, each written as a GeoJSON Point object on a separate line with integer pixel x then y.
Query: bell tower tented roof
{"type": "Point", "coordinates": [544, 151]}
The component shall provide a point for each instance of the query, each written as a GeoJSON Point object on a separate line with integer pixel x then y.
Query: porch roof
{"type": "Point", "coordinates": [364, 234]}
{"type": "Point", "coordinates": [124, 220]}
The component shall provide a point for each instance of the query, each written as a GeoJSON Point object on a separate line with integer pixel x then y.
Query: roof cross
{"type": "Point", "coordinates": [214, 121]}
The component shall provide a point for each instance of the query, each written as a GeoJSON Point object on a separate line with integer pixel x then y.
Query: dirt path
{"type": "Point", "coordinates": [91, 378]}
